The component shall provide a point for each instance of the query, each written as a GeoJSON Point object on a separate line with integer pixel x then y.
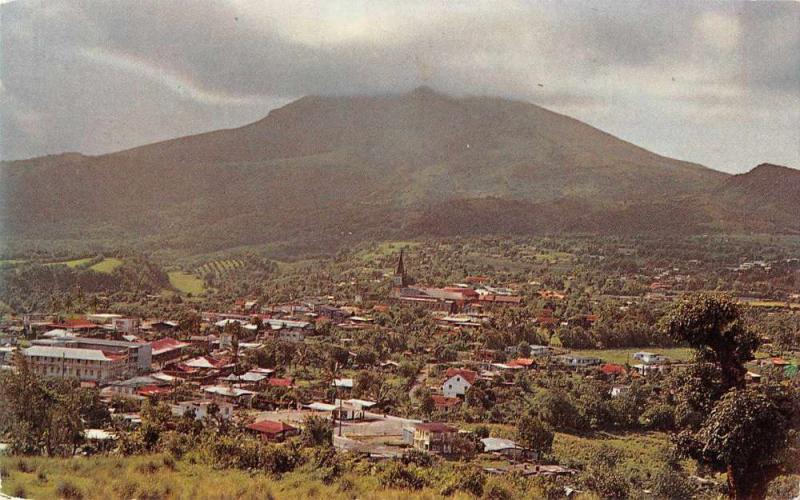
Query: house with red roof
{"type": "Point", "coordinates": [271, 430]}
{"type": "Point", "coordinates": [166, 350]}
{"type": "Point", "coordinates": [458, 381]}
{"type": "Point", "coordinates": [151, 391]}
{"type": "Point", "coordinates": [612, 369]}
{"type": "Point", "coordinates": [279, 382]}
{"type": "Point", "coordinates": [445, 403]}
{"type": "Point", "coordinates": [521, 362]}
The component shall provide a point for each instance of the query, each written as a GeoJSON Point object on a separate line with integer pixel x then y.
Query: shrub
{"type": "Point", "coordinates": [317, 431]}
{"type": "Point", "coordinates": [67, 490]}
{"type": "Point", "coordinates": [471, 480]}
{"type": "Point", "coordinates": [126, 489]}
{"type": "Point", "coordinates": [397, 475]}
{"type": "Point", "coordinates": [784, 487]}
{"type": "Point", "coordinates": [417, 457]}
{"type": "Point", "coordinates": [19, 491]}
{"type": "Point", "coordinates": [148, 467]}
{"type": "Point", "coordinates": [25, 467]}
{"type": "Point", "coordinates": [671, 484]}
{"type": "Point", "coordinates": [497, 489]}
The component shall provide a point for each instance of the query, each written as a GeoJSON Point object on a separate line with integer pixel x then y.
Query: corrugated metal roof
{"type": "Point", "coordinates": [67, 353]}
{"type": "Point", "coordinates": [496, 444]}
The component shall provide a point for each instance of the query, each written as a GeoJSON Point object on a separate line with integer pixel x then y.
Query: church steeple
{"type": "Point", "coordinates": [399, 279]}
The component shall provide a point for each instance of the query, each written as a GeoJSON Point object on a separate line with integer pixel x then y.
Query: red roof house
{"type": "Point", "coordinates": [468, 375]}
{"type": "Point", "coordinates": [273, 431]}
{"type": "Point", "coordinates": [280, 382]}
{"type": "Point", "coordinates": [612, 369]}
{"type": "Point", "coordinates": [444, 402]}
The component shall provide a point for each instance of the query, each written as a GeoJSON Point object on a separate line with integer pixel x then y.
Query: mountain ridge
{"type": "Point", "coordinates": [334, 168]}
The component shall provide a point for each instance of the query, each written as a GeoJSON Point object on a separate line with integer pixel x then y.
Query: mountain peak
{"type": "Point", "coordinates": [772, 169]}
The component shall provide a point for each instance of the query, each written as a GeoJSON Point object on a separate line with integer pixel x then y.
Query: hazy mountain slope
{"type": "Point", "coordinates": [765, 198]}
{"type": "Point", "coordinates": [323, 170]}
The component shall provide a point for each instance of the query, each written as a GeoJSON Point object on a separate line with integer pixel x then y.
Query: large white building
{"type": "Point", "coordinates": [137, 355]}
{"type": "Point", "coordinates": [69, 362]}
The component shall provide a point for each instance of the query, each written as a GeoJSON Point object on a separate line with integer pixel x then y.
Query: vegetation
{"type": "Point", "coordinates": [620, 443]}
{"type": "Point", "coordinates": [186, 283]}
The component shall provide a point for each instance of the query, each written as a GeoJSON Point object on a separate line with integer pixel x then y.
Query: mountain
{"type": "Point", "coordinates": [766, 198]}
{"type": "Point", "coordinates": [325, 170]}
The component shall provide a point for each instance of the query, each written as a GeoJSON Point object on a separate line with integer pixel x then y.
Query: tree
{"type": "Point", "coordinates": [743, 436]}
{"type": "Point", "coordinates": [40, 416]}
{"type": "Point", "coordinates": [317, 431]}
{"type": "Point", "coordinates": [713, 326]}
{"type": "Point", "coordinates": [602, 474]}
{"type": "Point", "coordinates": [555, 408]}
{"type": "Point", "coordinates": [426, 403]}
{"type": "Point", "coordinates": [740, 431]}
{"type": "Point", "coordinates": [532, 433]}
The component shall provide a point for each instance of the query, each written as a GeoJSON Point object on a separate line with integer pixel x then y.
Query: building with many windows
{"type": "Point", "coordinates": [69, 362]}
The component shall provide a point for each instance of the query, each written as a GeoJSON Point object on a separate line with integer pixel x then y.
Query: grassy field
{"type": "Point", "coordinates": [387, 248]}
{"type": "Point", "coordinates": [621, 356]}
{"type": "Point", "coordinates": [186, 283]}
{"type": "Point", "coordinates": [154, 476]}
{"type": "Point", "coordinates": [772, 304]}
{"type": "Point", "coordinates": [71, 263]}
{"type": "Point", "coordinates": [106, 265]}
{"type": "Point", "coordinates": [11, 262]}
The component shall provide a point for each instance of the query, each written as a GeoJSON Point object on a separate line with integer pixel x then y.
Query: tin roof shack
{"type": "Point", "coordinates": [232, 395]}
{"type": "Point", "coordinates": [507, 448]}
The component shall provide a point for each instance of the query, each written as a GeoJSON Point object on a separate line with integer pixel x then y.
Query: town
{"type": "Point", "coordinates": [535, 379]}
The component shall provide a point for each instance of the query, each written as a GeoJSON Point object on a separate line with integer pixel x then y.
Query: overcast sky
{"type": "Point", "coordinates": [713, 82]}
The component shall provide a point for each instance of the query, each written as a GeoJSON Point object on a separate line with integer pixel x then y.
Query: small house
{"type": "Point", "coordinates": [575, 361]}
{"type": "Point", "coordinates": [649, 358]}
{"type": "Point", "coordinates": [270, 430]}
{"type": "Point", "coordinates": [457, 382]}
{"type": "Point", "coordinates": [506, 448]}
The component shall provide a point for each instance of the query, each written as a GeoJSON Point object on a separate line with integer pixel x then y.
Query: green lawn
{"type": "Point", "coordinates": [186, 283]}
{"type": "Point", "coordinates": [11, 262]}
{"type": "Point", "coordinates": [71, 263]}
{"type": "Point", "coordinates": [621, 356]}
{"type": "Point", "coordinates": [106, 265]}
{"type": "Point", "coordinates": [387, 248]}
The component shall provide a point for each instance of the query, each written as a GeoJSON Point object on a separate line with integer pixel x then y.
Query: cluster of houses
{"type": "Point", "coordinates": [131, 358]}
{"type": "Point", "coordinates": [472, 297]}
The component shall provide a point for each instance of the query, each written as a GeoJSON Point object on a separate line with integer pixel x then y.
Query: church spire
{"type": "Point", "coordinates": [400, 272]}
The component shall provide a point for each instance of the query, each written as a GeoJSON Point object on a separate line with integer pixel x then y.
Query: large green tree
{"type": "Point", "coordinates": [742, 431]}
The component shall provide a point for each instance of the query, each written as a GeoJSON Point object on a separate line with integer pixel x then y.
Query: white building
{"type": "Point", "coordinates": [579, 361]}
{"type": "Point", "coordinates": [457, 382]}
{"type": "Point", "coordinates": [68, 362]}
{"type": "Point", "coordinates": [649, 358]}
{"type": "Point", "coordinates": [201, 407]}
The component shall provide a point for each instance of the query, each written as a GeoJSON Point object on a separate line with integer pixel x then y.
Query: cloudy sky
{"type": "Point", "coordinates": [713, 82]}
